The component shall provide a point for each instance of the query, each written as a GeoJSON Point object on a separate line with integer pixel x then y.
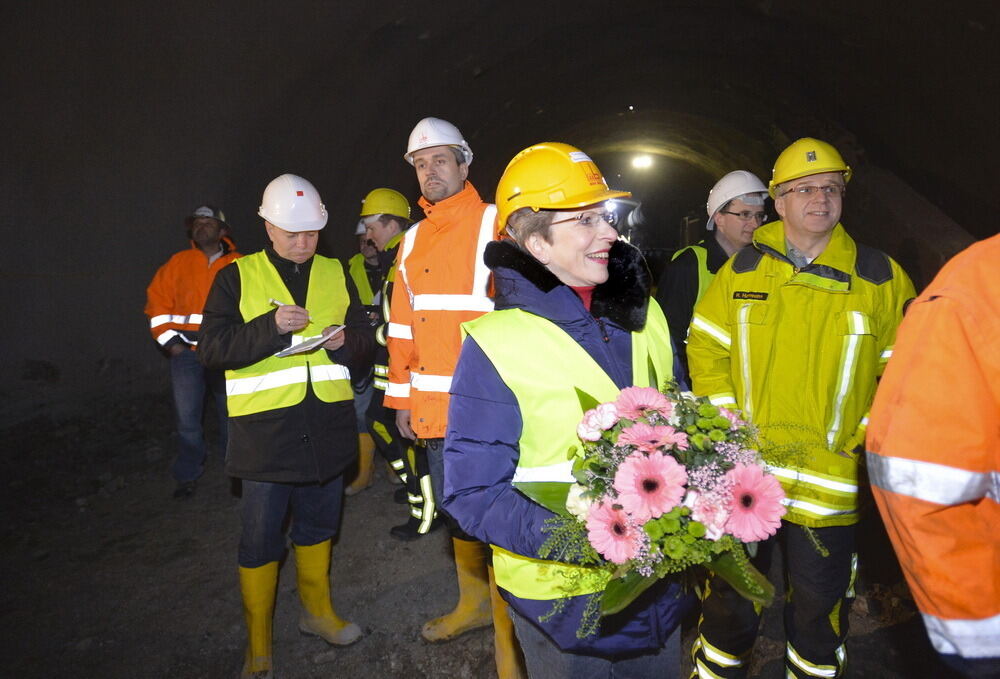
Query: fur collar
{"type": "Point", "coordinates": [622, 299]}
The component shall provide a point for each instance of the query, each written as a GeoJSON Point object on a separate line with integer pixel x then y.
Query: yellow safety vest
{"type": "Point", "coordinates": [704, 275]}
{"type": "Point", "coordinates": [356, 268]}
{"type": "Point", "coordinates": [544, 381]}
{"type": "Point", "coordinates": [273, 382]}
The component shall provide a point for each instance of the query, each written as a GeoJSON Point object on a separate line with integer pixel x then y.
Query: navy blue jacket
{"type": "Point", "coordinates": [484, 426]}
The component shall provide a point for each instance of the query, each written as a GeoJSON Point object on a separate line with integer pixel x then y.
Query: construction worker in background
{"type": "Point", "coordinates": [441, 282]}
{"type": "Point", "coordinates": [934, 457]}
{"type": "Point", "coordinates": [735, 210]}
{"type": "Point", "coordinates": [386, 216]}
{"type": "Point", "coordinates": [292, 426]}
{"type": "Point", "coordinates": [363, 269]}
{"type": "Point", "coordinates": [174, 301]}
{"type": "Point", "coordinates": [793, 332]}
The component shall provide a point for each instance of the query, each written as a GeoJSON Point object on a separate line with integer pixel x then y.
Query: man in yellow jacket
{"type": "Point", "coordinates": [793, 332]}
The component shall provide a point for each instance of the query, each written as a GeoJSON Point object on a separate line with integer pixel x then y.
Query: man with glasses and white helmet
{"type": "Point", "coordinates": [735, 210]}
{"type": "Point", "coordinates": [292, 426]}
{"type": "Point", "coordinates": [794, 332]}
{"type": "Point", "coordinates": [442, 282]}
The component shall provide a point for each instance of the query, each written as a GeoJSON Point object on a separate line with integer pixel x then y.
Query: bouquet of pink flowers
{"type": "Point", "coordinates": [664, 482]}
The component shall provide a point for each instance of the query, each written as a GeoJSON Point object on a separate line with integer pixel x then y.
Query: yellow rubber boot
{"type": "Point", "coordinates": [473, 609]}
{"type": "Point", "coordinates": [258, 586]}
{"type": "Point", "coordinates": [510, 660]}
{"type": "Point", "coordinates": [318, 618]}
{"type": "Point", "coordinates": [366, 465]}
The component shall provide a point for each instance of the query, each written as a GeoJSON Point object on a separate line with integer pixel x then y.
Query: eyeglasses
{"type": "Point", "coordinates": [746, 215]}
{"type": "Point", "coordinates": [591, 218]}
{"type": "Point", "coordinates": [832, 190]}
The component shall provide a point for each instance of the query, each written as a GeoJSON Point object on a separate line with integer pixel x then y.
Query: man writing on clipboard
{"type": "Point", "coordinates": [291, 419]}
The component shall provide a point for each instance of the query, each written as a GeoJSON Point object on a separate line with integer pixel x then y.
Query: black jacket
{"type": "Point", "coordinates": [309, 442]}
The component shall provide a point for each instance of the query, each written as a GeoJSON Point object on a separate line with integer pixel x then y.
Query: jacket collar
{"type": "Point", "coordinates": [443, 212]}
{"type": "Point", "coordinates": [831, 269]}
{"type": "Point", "coordinates": [287, 265]}
{"type": "Point", "coordinates": [522, 282]}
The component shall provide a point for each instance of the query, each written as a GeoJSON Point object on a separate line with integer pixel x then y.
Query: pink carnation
{"type": "Point", "coordinates": [649, 486]}
{"type": "Point", "coordinates": [597, 420]}
{"type": "Point", "coordinates": [707, 510]}
{"type": "Point", "coordinates": [611, 533]}
{"type": "Point", "coordinates": [755, 505]}
{"type": "Point", "coordinates": [634, 402]}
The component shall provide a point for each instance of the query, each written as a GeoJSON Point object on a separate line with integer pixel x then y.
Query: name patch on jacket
{"type": "Point", "coordinates": [749, 294]}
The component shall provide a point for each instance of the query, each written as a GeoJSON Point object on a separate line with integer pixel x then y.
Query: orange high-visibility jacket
{"type": "Point", "coordinates": [177, 294]}
{"type": "Point", "coordinates": [441, 282]}
{"type": "Point", "coordinates": [934, 452]}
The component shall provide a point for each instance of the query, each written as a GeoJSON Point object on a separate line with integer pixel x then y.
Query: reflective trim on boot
{"type": "Point", "coordinates": [509, 659]}
{"type": "Point", "coordinates": [366, 466]}
{"type": "Point", "coordinates": [312, 563]}
{"type": "Point", "coordinates": [258, 587]}
{"type": "Point", "coordinates": [473, 610]}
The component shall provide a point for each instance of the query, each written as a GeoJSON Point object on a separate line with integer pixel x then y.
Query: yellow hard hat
{"type": "Point", "coordinates": [551, 176]}
{"type": "Point", "coordinates": [805, 157]}
{"type": "Point", "coordinates": [385, 202]}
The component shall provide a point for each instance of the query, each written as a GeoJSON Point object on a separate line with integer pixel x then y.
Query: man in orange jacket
{"type": "Point", "coordinates": [441, 282]}
{"type": "Point", "coordinates": [174, 302]}
{"type": "Point", "coordinates": [934, 457]}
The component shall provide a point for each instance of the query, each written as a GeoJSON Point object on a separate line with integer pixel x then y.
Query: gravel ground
{"type": "Point", "coordinates": [106, 575]}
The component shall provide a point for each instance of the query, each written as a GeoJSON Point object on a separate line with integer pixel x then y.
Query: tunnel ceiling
{"type": "Point", "coordinates": [124, 116]}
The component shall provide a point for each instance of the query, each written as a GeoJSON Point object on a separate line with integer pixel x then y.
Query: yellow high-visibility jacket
{"type": "Point", "coordinates": [798, 351]}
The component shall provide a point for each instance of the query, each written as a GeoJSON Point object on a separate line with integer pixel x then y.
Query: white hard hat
{"type": "Point", "coordinates": [436, 132]}
{"type": "Point", "coordinates": [733, 185]}
{"type": "Point", "coordinates": [362, 228]}
{"type": "Point", "coordinates": [293, 204]}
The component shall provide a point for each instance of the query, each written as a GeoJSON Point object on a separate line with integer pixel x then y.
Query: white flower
{"type": "Point", "coordinates": [606, 415]}
{"type": "Point", "coordinates": [577, 505]}
{"type": "Point", "coordinates": [596, 421]}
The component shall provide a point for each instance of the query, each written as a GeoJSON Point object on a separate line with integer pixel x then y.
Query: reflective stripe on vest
{"type": "Point", "coordinates": [356, 268]}
{"type": "Point", "coordinates": [544, 381]}
{"type": "Point", "coordinates": [274, 382]}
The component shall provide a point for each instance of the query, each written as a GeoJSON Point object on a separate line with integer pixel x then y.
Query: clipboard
{"type": "Point", "coordinates": [310, 345]}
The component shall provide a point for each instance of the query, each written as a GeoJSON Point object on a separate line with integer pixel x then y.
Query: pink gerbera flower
{"type": "Point", "coordinates": [755, 507]}
{"type": "Point", "coordinates": [649, 486]}
{"type": "Point", "coordinates": [649, 438]}
{"type": "Point", "coordinates": [634, 402]}
{"type": "Point", "coordinates": [611, 533]}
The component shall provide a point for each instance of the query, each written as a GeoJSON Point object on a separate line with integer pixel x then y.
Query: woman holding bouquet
{"type": "Point", "coordinates": [573, 315]}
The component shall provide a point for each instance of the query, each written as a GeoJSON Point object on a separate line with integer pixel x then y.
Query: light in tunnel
{"type": "Point", "coordinates": [642, 162]}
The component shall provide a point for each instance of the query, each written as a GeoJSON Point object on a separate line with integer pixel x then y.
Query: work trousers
{"type": "Point", "coordinates": [819, 592]}
{"type": "Point", "coordinates": [190, 381]}
{"type": "Point", "coordinates": [315, 517]}
{"type": "Point", "coordinates": [407, 459]}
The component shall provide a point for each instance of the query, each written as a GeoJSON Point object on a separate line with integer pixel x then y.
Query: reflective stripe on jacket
{"type": "Point", "coordinates": [934, 452]}
{"type": "Point", "coordinates": [442, 282]}
{"type": "Point", "coordinates": [544, 379]}
{"type": "Point", "coordinates": [381, 381]}
{"type": "Point", "coordinates": [799, 351]}
{"type": "Point", "coordinates": [274, 382]}
{"type": "Point", "coordinates": [176, 295]}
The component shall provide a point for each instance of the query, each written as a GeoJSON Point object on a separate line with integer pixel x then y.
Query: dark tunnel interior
{"type": "Point", "coordinates": [123, 117]}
